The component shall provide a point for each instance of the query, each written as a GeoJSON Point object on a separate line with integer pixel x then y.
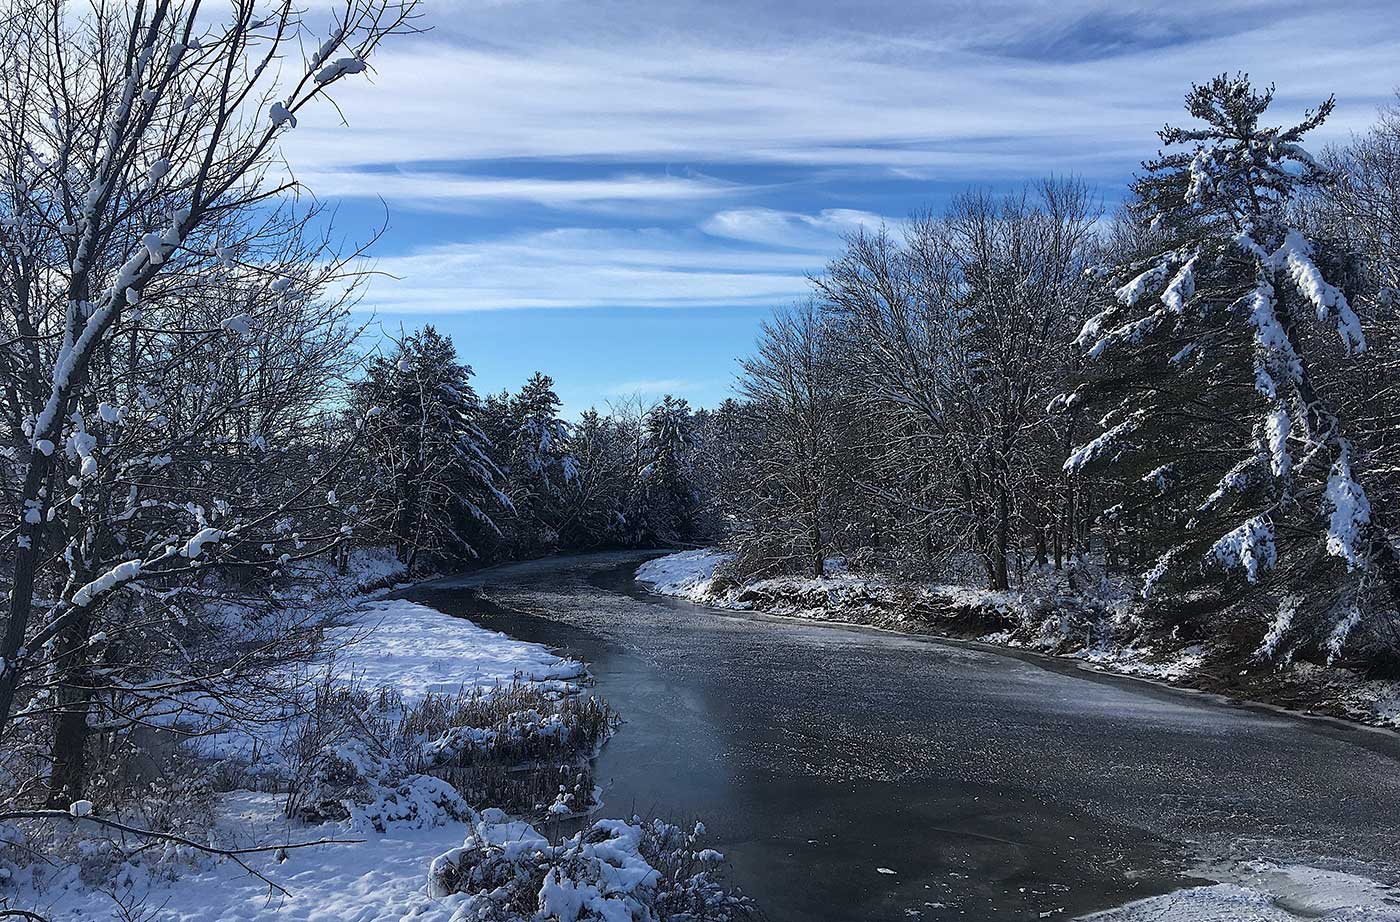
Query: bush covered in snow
{"type": "Point", "coordinates": [372, 758]}
{"type": "Point", "coordinates": [506, 871]}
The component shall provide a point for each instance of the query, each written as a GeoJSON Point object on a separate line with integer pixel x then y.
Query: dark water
{"type": "Point", "coordinates": [993, 787]}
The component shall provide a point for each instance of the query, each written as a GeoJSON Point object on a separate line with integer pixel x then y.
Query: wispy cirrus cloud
{"type": "Point", "coordinates": [448, 190]}
{"type": "Point", "coordinates": [654, 387]}
{"type": "Point", "coordinates": [619, 155]}
{"type": "Point", "coordinates": [773, 227]}
{"type": "Point", "coordinates": [1067, 87]}
{"type": "Point", "coordinates": [589, 267]}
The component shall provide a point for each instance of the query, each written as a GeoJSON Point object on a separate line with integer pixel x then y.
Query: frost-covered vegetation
{"type": "Point", "coordinates": [387, 781]}
{"type": "Point", "coordinates": [198, 456]}
{"type": "Point", "coordinates": [506, 871]}
{"type": "Point", "coordinates": [1176, 425]}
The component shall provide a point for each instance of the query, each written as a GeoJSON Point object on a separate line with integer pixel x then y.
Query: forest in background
{"type": "Point", "coordinates": [1191, 398]}
{"type": "Point", "coordinates": [1196, 393]}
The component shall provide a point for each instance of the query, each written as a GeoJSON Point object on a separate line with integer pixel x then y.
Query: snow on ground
{"type": "Point", "coordinates": [431, 863]}
{"type": "Point", "coordinates": [382, 878]}
{"type": "Point", "coordinates": [690, 575]}
{"type": "Point", "coordinates": [414, 650]}
{"type": "Point", "coordinates": [1263, 892]}
{"type": "Point", "coordinates": [417, 650]}
{"type": "Point", "coordinates": [687, 575]}
{"type": "Point", "coordinates": [374, 566]}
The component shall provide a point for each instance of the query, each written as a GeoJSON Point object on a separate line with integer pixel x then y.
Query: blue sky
{"type": "Point", "coordinates": [617, 192]}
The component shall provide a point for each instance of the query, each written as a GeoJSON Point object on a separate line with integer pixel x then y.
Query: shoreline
{"type": "Point", "coordinates": [1318, 709]}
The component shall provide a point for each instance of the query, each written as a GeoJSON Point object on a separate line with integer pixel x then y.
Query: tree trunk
{"type": "Point", "coordinates": [70, 732]}
{"type": "Point", "coordinates": [818, 548]}
{"type": "Point", "coordinates": [22, 588]}
{"type": "Point", "coordinates": [1001, 541]}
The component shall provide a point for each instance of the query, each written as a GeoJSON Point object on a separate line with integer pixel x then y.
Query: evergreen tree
{"type": "Point", "coordinates": [540, 464]}
{"type": "Point", "coordinates": [1208, 358]}
{"type": "Point", "coordinates": [671, 505]}
{"type": "Point", "coordinates": [431, 477]}
{"type": "Point", "coordinates": [593, 498]}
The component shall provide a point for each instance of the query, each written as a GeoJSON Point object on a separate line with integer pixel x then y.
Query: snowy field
{"type": "Point", "coordinates": [382, 877]}
{"type": "Point", "coordinates": [416, 650]}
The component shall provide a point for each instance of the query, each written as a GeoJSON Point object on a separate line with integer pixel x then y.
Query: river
{"type": "Point", "coordinates": [852, 774]}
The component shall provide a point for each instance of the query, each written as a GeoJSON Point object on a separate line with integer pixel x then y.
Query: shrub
{"type": "Point", "coordinates": [522, 747]}
{"type": "Point", "coordinates": [505, 871]}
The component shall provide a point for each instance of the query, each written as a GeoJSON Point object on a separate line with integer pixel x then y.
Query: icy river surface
{"type": "Point", "coordinates": [850, 774]}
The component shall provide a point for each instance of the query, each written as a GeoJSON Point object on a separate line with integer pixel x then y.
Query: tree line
{"type": "Point", "coordinates": [451, 478]}
{"type": "Point", "coordinates": [194, 431]}
{"type": "Point", "coordinates": [1195, 393]}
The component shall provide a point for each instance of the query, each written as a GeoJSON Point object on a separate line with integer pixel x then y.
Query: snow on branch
{"type": "Point", "coordinates": [1276, 428]}
{"type": "Point", "coordinates": [1295, 256]}
{"type": "Point", "coordinates": [1249, 547]}
{"type": "Point", "coordinates": [1274, 352]}
{"type": "Point", "coordinates": [1351, 511]}
{"type": "Point", "coordinates": [122, 573]}
{"type": "Point", "coordinates": [1134, 291]}
{"type": "Point", "coordinates": [1101, 445]}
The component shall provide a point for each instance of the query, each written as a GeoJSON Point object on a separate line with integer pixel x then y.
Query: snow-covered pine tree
{"type": "Point", "coordinates": [1204, 362]}
{"type": "Point", "coordinates": [670, 502]}
{"type": "Point", "coordinates": [539, 463]}
{"type": "Point", "coordinates": [593, 499]}
{"type": "Point", "coordinates": [428, 463]}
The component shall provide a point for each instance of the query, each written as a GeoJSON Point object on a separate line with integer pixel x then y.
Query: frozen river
{"type": "Point", "coordinates": [821, 759]}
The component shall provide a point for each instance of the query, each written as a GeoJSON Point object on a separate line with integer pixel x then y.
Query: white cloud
{"type": "Point", "coordinates": [624, 105]}
{"type": "Point", "coordinates": [822, 231]}
{"type": "Point", "coordinates": [896, 101]}
{"type": "Point", "coordinates": [446, 190]}
{"type": "Point", "coordinates": [655, 387]}
{"type": "Point", "coordinates": [581, 267]}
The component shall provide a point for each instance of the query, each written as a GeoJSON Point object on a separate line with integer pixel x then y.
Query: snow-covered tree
{"type": "Point", "coordinates": [955, 341]}
{"type": "Point", "coordinates": [791, 385]}
{"type": "Point", "coordinates": [667, 494]}
{"type": "Point", "coordinates": [1211, 362]}
{"type": "Point", "coordinates": [426, 465]}
{"type": "Point", "coordinates": [538, 462]}
{"type": "Point", "coordinates": [168, 339]}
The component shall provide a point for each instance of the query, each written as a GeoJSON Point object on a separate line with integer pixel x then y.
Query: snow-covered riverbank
{"type": "Point", "coordinates": [1097, 634]}
{"type": "Point", "coordinates": [390, 644]}
{"type": "Point", "coordinates": [1244, 891]}
{"type": "Point", "coordinates": [1261, 891]}
{"type": "Point", "coordinates": [418, 851]}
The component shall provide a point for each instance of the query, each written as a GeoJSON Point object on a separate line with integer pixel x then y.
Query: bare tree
{"type": "Point", "coordinates": [957, 335]}
{"type": "Point", "coordinates": [171, 326]}
{"type": "Point", "coordinates": [791, 385]}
